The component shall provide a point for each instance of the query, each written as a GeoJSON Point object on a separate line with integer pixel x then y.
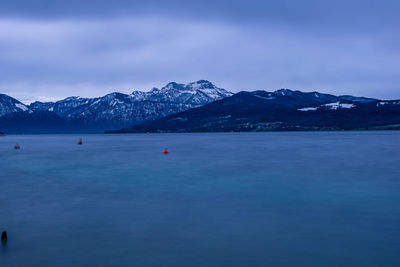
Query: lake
{"type": "Point", "coordinates": [218, 199]}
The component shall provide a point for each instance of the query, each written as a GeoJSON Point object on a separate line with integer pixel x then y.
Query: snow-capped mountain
{"type": "Point", "coordinates": [120, 110]}
{"type": "Point", "coordinates": [9, 105]}
{"type": "Point", "coordinates": [281, 110]}
{"type": "Point", "coordinates": [196, 93]}
{"type": "Point", "coordinates": [197, 106]}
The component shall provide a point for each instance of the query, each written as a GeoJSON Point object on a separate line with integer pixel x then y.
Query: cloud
{"type": "Point", "coordinates": [57, 57]}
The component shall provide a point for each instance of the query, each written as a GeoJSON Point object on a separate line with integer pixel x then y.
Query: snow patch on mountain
{"type": "Point", "coordinates": [332, 106]}
{"type": "Point", "coordinates": [338, 105]}
{"type": "Point", "coordinates": [307, 109]}
{"type": "Point", "coordinates": [21, 107]}
{"type": "Point", "coordinates": [383, 103]}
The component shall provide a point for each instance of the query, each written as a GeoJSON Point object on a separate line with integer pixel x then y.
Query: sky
{"type": "Point", "coordinates": [53, 49]}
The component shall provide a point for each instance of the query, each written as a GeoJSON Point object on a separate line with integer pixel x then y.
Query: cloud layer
{"type": "Point", "coordinates": [65, 51]}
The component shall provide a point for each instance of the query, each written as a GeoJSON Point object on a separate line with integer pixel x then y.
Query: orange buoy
{"type": "Point", "coordinates": [165, 152]}
{"type": "Point", "coordinates": [80, 142]}
{"type": "Point", "coordinates": [17, 146]}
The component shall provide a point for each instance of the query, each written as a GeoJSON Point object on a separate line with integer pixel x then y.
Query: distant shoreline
{"type": "Point", "coordinates": [270, 131]}
{"type": "Point", "coordinates": [167, 133]}
{"type": "Point", "coordinates": [376, 129]}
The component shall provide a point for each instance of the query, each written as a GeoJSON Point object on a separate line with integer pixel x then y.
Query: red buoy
{"type": "Point", "coordinates": [80, 142]}
{"type": "Point", "coordinates": [165, 152]}
{"type": "Point", "coordinates": [17, 146]}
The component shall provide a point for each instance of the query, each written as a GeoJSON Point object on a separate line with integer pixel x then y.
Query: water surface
{"type": "Point", "coordinates": [226, 199]}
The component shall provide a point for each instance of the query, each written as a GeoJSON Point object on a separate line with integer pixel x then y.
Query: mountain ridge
{"type": "Point", "coordinates": [281, 110]}
{"type": "Point", "coordinates": [117, 110]}
{"type": "Point", "coordinates": [198, 106]}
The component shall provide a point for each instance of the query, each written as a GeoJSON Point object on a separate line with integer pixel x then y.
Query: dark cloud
{"type": "Point", "coordinates": [312, 12]}
{"type": "Point", "coordinates": [52, 49]}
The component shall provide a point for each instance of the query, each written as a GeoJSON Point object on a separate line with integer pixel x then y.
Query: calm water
{"type": "Point", "coordinates": [272, 199]}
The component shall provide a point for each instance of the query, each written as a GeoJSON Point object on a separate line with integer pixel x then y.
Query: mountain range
{"type": "Point", "coordinates": [112, 111]}
{"type": "Point", "coordinates": [282, 110]}
{"type": "Point", "coordinates": [199, 107]}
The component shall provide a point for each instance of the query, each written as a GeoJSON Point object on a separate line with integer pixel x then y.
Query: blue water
{"type": "Point", "coordinates": [226, 199]}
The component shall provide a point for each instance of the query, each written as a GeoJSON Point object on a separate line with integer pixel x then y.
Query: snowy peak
{"type": "Point", "coordinates": [173, 86]}
{"type": "Point", "coordinates": [201, 84]}
{"type": "Point", "coordinates": [195, 93]}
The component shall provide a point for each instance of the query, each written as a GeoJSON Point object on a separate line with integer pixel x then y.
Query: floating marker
{"type": "Point", "coordinates": [166, 151]}
{"type": "Point", "coordinates": [80, 141]}
{"type": "Point", "coordinates": [17, 146]}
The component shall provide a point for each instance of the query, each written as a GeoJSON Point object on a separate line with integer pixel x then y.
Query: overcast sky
{"type": "Point", "coordinates": [52, 49]}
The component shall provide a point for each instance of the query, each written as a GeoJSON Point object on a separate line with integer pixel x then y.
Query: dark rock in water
{"type": "Point", "coordinates": [4, 236]}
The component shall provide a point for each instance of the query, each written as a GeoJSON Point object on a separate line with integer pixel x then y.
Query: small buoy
{"type": "Point", "coordinates": [80, 142]}
{"type": "Point", "coordinates": [17, 146]}
{"type": "Point", "coordinates": [165, 152]}
{"type": "Point", "coordinates": [4, 236]}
